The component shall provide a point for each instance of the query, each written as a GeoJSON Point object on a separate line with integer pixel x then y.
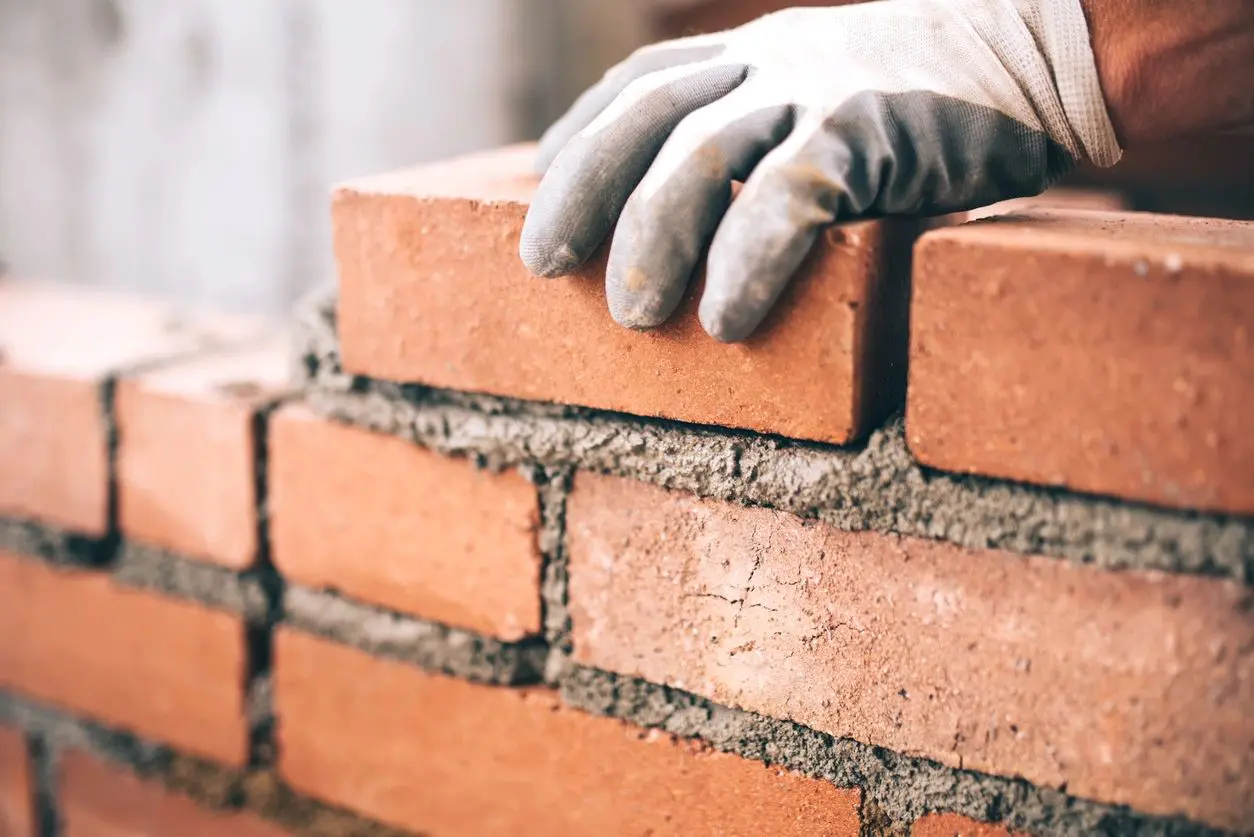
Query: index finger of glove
{"type": "Point", "coordinates": [583, 192]}
{"type": "Point", "coordinates": [598, 97]}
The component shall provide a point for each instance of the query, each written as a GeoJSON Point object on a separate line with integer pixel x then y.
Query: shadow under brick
{"type": "Point", "coordinates": [876, 486]}
{"type": "Point", "coordinates": [54, 546]}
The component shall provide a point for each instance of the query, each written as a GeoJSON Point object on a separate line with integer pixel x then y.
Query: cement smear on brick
{"type": "Point", "coordinates": [553, 488]}
{"type": "Point", "coordinates": [52, 545]}
{"type": "Point", "coordinates": [220, 588]}
{"type": "Point", "coordinates": [904, 788]}
{"type": "Point", "coordinates": [430, 646]}
{"type": "Point", "coordinates": [876, 486]}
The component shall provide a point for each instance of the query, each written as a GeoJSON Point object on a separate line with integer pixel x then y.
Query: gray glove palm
{"type": "Point", "coordinates": [827, 114]}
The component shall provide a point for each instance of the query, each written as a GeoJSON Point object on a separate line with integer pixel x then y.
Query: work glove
{"type": "Point", "coordinates": [896, 107]}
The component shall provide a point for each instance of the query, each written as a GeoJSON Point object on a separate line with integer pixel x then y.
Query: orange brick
{"type": "Point", "coordinates": [102, 801]}
{"type": "Point", "coordinates": [447, 757]}
{"type": "Point", "coordinates": [161, 668]}
{"type": "Point", "coordinates": [186, 458]}
{"type": "Point", "coordinates": [57, 345]}
{"type": "Point", "coordinates": [954, 825]}
{"type": "Point", "coordinates": [1104, 352]}
{"type": "Point", "coordinates": [16, 798]}
{"type": "Point", "coordinates": [432, 290]}
{"type": "Point", "coordinates": [392, 524]}
{"type": "Point", "coordinates": [1129, 688]}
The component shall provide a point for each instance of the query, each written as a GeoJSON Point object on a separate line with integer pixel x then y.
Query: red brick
{"type": "Point", "coordinates": [186, 457]}
{"type": "Point", "coordinates": [448, 757]}
{"type": "Point", "coordinates": [1128, 687]}
{"type": "Point", "coordinates": [1104, 352]}
{"type": "Point", "coordinates": [16, 798]}
{"type": "Point", "coordinates": [98, 800]}
{"type": "Point", "coordinates": [393, 524]}
{"type": "Point", "coordinates": [432, 290]}
{"type": "Point", "coordinates": [954, 825]}
{"type": "Point", "coordinates": [57, 344]}
{"type": "Point", "coordinates": [161, 668]}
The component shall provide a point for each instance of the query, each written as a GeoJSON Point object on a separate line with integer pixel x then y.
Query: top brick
{"type": "Point", "coordinates": [432, 291]}
{"type": "Point", "coordinates": [57, 346]}
{"type": "Point", "coordinates": [1104, 352]}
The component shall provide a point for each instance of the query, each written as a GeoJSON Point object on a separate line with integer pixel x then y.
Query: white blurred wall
{"type": "Point", "coordinates": [186, 147]}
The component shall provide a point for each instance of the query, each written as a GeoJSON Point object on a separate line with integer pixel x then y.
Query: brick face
{"type": "Point", "coordinates": [432, 290]}
{"type": "Point", "coordinates": [446, 757]}
{"type": "Point", "coordinates": [1126, 687]}
{"type": "Point", "coordinates": [165, 669]}
{"type": "Point", "coordinates": [98, 800]}
{"type": "Point", "coordinates": [56, 346]}
{"type": "Point", "coordinates": [389, 523]}
{"type": "Point", "coordinates": [1107, 353]}
{"type": "Point", "coordinates": [16, 799]}
{"type": "Point", "coordinates": [186, 452]}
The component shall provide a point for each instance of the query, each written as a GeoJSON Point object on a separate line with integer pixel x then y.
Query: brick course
{"type": "Point", "coordinates": [186, 453]}
{"type": "Point", "coordinates": [447, 757]}
{"type": "Point", "coordinates": [16, 797]}
{"type": "Point", "coordinates": [1108, 353]}
{"type": "Point", "coordinates": [152, 665]}
{"type": "Point", "coordinates": [432, 291]}
{"type": "Point", "coordinates": [391, 524]}
{"type": "Point", "coordinates": [985, 660]}
{"type": "Point", "coordinates": [98, 800]}
{"type": "Point", "coordinates": [57, 346]}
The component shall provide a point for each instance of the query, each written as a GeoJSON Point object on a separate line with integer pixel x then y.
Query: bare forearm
{"type": "Point", "coordinates": [1174, 68]}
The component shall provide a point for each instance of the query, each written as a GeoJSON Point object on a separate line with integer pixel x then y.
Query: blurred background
{"type": "Point", "coordinates": [186, 148]}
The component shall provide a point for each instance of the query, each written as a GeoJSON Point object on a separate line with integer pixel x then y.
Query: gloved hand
{"type": "Point", "coordinates": [896, 107]}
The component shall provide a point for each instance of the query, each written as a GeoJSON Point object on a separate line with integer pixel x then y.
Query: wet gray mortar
{"type": "Point", "coordinates": [876, 486]}
{"type": "Point", "coordinates": [427, 645]}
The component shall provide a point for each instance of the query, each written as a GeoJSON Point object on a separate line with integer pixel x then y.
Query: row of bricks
{"type": "Point", "coordinates": [1104, 352]}
{"type": "Point", "coordinates": [914, 645]}
{"type": "Point", "coordinates": [899, 634]}
{"type": "Point", "coordinates": [433, 754]}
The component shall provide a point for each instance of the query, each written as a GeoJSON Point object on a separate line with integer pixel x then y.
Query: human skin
{"type": "Point", "coordinates": [1172, 69]}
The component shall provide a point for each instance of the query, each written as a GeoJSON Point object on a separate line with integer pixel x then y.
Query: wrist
{"type": "Point", "coordinates": [1173, 70]}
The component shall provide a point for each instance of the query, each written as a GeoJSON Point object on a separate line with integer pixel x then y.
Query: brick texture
{"type": "Point", "coordinates": [1105, 352]}
{"type": "Point", "coordinates": [165, 669]}
{"type": "Point", "coordinates": [432, 290]}
{"type": "Point", "coordinates": [16, 799]}
{"type": "Point", "coordinates": [444, 757]}
{"type": "Point", "coordinates": [389, 523]}
{"type": "Point", "coordinates": [954, 825]}
{"type": "Point", "coordinates": [186, 455]}
{"type": "Point", "coordinates": [1126, 687]}
{"type": "Point", "coordinates": [56, 347]}
{"type": "Point", "coordinates": [98, 800]}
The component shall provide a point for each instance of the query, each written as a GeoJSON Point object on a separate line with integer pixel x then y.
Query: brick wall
{"type": "Point", "coordinates": [436, 561]}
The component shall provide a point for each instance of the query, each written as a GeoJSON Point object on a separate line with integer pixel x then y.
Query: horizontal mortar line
{"type": "Point", "coordinates": [1170, 545]}
{"type": "Point", "coordinates": [430, 646]}
{"type": "Point", "coordinates": [1020, 804]}
{"type": "Point", "coordinates": [55, 545]}
{"type": "Point", "coordinates": [139, 566]}
{"type": "Point", "coordinates": [212, 786]}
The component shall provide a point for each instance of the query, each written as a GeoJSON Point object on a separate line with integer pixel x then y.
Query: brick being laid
{"type": "Point", "coordinates": [432, 291]}
{"type": "Point", "coordinates": [1127, 688]}
{"type": "Point", "coordinates": [1107, 353]}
